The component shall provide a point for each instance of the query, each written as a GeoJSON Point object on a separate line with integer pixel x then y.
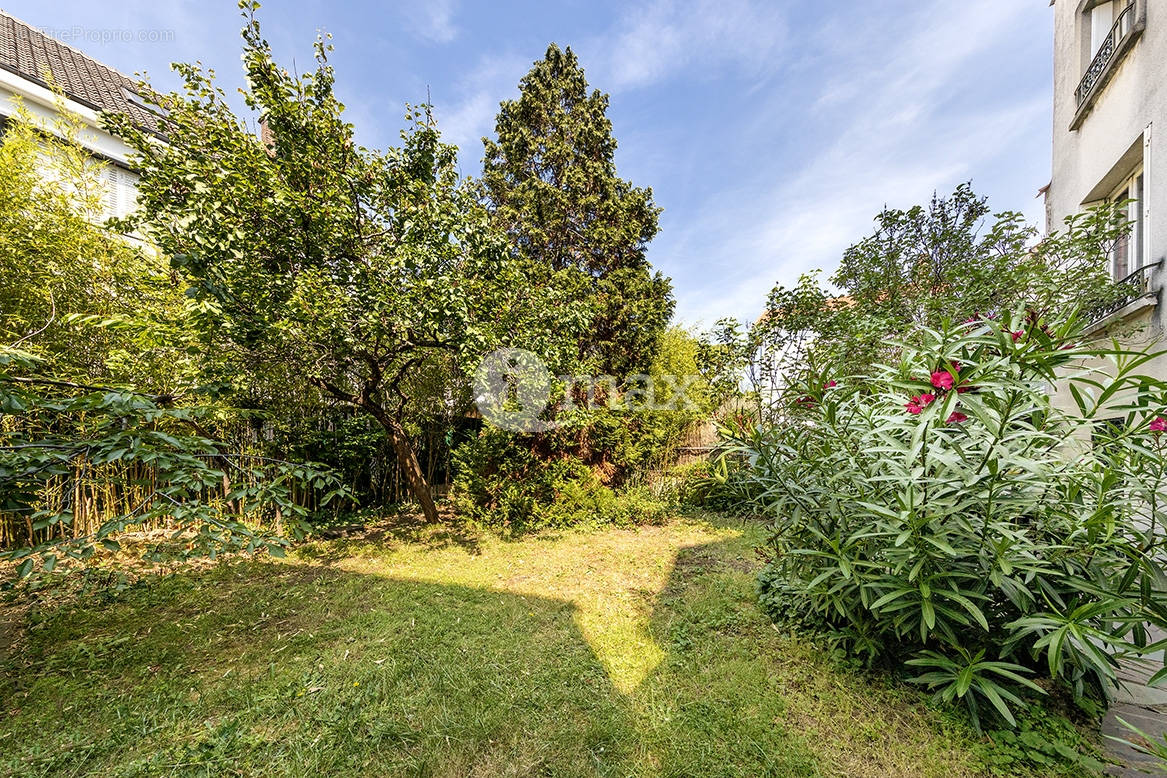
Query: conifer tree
{"type": "Point", "coordinates": [551, 186]}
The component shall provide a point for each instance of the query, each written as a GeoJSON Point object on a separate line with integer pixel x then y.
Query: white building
{"type": "Point", "coordinates": [1110, 98]}
{"type": "Point", "coordinates": [30, 60]}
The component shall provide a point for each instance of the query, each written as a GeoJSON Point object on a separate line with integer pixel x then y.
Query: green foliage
{"type": "Point", "coordinates": [99, 433]}
{"type": "Point", "coordinates": [948, 261]}
{"type": "Point", "coordinates": [505, 482]}
{"type": "Point", "coordinates": [955, 258]}
{"type": "Point", "coordinates": [943, 513]}
{"type": "Point", "coordinates": [550, 183]}
{"type": "Point", "coordinates": [211, 505]}
{"type": "Point", "coordinates": [90, 303]}
{"type": "Point", "coordinates": [316, 262]}
{"type": "Point", "coordinates": [714, 485]}
{"type": "Point", "coordinates": [1042, 740]}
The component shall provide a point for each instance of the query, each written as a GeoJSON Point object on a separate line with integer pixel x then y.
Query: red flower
{"type": "Point", "coordinates": [830, 384]}
{"type": "Point", "coordinates": [942, 379]}
{"type": "Point", "coordinates": [918, 403]}
{"type": "Point", "coordinates": [1158, 424]}
{"type": "Point", "coordinates": [957, 417]}
{"type": "Point", "coordinates": [1017, 335]}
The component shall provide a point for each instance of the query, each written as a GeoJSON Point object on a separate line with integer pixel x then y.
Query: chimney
{"type": "Point", "coordinates": [266, 137]}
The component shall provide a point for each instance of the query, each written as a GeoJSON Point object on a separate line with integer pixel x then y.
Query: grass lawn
{"type": "Point", "coordinates": [618, 652]}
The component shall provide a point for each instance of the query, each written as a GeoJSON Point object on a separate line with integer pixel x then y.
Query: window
{"type": "Point", "coordinates": [1107, 31]}
{"type": "Point", "coordinates": [142, 102]}
{"type": "Point", "coordinates": [121, 192]}
{"type": "Point", "coordinates": [1127, 256]}
{"type": "Point", "coordinates": [1101, 20]}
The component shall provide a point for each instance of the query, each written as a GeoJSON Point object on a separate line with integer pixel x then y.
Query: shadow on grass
{"type": "Point", "coordinates": [388, 531]}
{"type": "Point", "coordinates": [262, 668]}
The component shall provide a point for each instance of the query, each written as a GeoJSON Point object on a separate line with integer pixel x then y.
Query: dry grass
{"type": "Point", "coordinates": [424, 651]}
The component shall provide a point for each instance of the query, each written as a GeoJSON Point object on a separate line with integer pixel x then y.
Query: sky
{"type": "Point", "coordinates": [771, 131]}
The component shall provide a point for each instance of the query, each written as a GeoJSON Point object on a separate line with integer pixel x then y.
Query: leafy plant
{"type": "Point", "coordinates": [948, 260]}
{"type": "Point", "coordinates": [1043, 739]}
{"type": "Point", "coordinates": [550, 185]}
{"type": "Point", "coordinates": [209, 502]}
{"type": "Point", "coordinates": [501, 482]}
{"type": "Point", "coordinates": [973, 678]}
{"type": "Point", "coordinates": [947, 513]}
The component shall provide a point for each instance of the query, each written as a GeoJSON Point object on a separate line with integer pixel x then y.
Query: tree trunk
{"type": "Point", "coordinates": [407, 460]}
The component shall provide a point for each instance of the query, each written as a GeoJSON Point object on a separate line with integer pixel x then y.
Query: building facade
{"type": "Point", "coordinates": [33, 65]}
{"type": "Point", "coordinates": [1110, 100]}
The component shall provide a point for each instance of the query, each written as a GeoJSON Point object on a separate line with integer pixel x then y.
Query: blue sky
{"type": "Point", "coordinates": [771, 131]}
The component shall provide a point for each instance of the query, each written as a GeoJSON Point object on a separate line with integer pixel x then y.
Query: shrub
{"type": "Point", "coordinates": [943, 516]}
{"type": "Point", "coordinates": [500, 481]}
{"type": "Point", "coordinates": [723, 485]}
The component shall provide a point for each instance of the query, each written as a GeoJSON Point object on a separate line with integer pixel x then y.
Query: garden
{"type": "Point", "coordinates": [258, 516]}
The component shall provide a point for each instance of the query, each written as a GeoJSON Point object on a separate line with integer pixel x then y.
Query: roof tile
{"type": "Point", "coordinates": [32, 54]}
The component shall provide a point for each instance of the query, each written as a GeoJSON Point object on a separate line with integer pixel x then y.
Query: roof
{"type": "Point", "coordinates": [29, 53]}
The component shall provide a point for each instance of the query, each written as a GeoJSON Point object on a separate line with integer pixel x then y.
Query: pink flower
{"type": "Point", "coordinates": [1158, 424]}
{"type": "Point", "coordinates": [830, 384]}
{"type": "Point", "coordinates": [957, 417]}
{"type": "Point", "coordinates": [1017, 335]}
{"type": "Point", "coordinates": [942, 379]}
{"type": "Point", "coordinates": [918, 403]}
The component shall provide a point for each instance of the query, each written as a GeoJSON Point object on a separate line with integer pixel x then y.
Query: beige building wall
{"type": "Point", "coordinates": [1107, 133]}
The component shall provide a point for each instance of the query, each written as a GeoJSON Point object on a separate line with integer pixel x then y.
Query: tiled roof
{"type": "Point", "coordinates": [28, 52]}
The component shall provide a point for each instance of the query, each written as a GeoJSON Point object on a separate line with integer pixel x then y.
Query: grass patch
{"type": "Point", "coordinates": [417, 651]}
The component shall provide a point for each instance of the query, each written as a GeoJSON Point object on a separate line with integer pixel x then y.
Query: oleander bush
{"type": "Point", "coordinates": [944, 516]}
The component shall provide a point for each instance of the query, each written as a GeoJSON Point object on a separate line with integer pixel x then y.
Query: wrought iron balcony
{"type": "Point", "coordinates": [1128, 25]}
{"type": "Point", "coordinates": [1135, 286]}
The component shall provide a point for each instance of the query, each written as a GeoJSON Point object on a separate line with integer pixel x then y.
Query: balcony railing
{"type": "Point", "coordinates": [1122, 33]}
{"type": "Point", "coordinates": [1129, 289]}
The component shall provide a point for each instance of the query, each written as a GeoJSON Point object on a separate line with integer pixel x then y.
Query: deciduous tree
{"type": "Point", "coordinates": [340, 266]}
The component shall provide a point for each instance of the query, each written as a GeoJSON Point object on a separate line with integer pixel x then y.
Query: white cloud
{"type": "Point", "coordinates": [896, 138]}
{"type": "Point", "coordinates": [646, 45]}
{"type": "Point", "coordinates": [432, 19]}
{"type": "Point", "coordinates": [472, 112]}
{"type": "Point", "coordinates": [660, 39]}
{"type": "Point", "coordinates": [874, 95]}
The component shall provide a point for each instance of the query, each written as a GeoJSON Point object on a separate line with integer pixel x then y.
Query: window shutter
{"type": "Point", "coordinates": [110, 203]}
{"type": "Point", "coordinates": [121, 192]}
{"type": "Point", "coordinates": [1148, 166]}
{"type": "Point", "coordinates": [128, 194]}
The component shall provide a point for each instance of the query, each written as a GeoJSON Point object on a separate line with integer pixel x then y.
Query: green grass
{"type": "Point", "coordinates": [621, 652]}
